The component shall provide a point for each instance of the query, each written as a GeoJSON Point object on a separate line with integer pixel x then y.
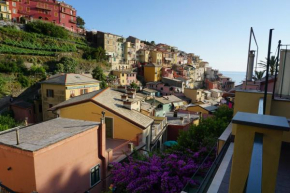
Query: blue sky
{"type": "Point", "coordinates": [217, 30]}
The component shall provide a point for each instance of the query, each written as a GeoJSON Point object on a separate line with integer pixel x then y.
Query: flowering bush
{"type": "Point", "coordinates": [165, 173]}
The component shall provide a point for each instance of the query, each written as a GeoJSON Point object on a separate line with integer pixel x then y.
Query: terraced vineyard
{"type": "Point", "coordinates": [13, 41]}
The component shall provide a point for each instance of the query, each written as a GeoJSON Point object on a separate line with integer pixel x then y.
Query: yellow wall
{"type": "Point", "coordinates": [242, 157]}
{"type": "Point", "coordinates": [249, 102]}
{"type": "Point", "coordinates": [193, 94]}
{"type": "Point", "coordinates": [61, 93]}
{"type": "Point", "coordinates": [144, 56]}
{"type": "Point", "coordinates": [59, 96]}
{"type": "Point", "coordinates": [156, 57]}
{"type": "Point", "coordinates": [6, 14]}
{"type": "Point", "coordinates": [123, 129]}
{"type": "Point", "coordinates": [122, 76]}
{"type": "Point", "coordinates": [76, 91]}
{"type": "Point", "coordinates": [152, 74]}
{"type": "Point", "coordinates": [197, 109]}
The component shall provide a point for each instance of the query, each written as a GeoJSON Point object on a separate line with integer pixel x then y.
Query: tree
{"type": "Point", "coordinates": [66, 65]}
{"type": "Point", "coordinates": [99, 74]}
{"type": "Point", "coordinates": [103, 85]}
{"type": "Point", "coordinates": [134, 85]}
{"type": "Point", "coordinates": [272, 64]}
{"type": "Point", "coordinates": [98, 54]}
{"type": "Point", "coordinates": [259, 75]}
{"type": "Point", "coordinates": [152, 43]}
{"type": "Point", "coordinates": [81, 22]}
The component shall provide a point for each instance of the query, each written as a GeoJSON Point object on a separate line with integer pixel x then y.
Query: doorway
{"type": "Point", "coordinates": [109, 127]}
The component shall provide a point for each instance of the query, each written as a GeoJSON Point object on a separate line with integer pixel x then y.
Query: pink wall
{"type": "Point", "coordinates": [167, 72]}
{"type": "Point", "coordinates": [131, 78]}
{"type": "Point", "coordinates": [65, 166]}
{"type": "Point", "coordinates": [164, 90]}
{"type": "Point", "coordinates": [62, 167]}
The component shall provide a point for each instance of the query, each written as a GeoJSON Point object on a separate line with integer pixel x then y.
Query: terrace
{"type": "Point", "coordinates": [121, 148]}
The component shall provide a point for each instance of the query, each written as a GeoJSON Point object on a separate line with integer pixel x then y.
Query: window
{"type": "Point", "coordinates": [14, 4]}
{"type": "Point", "coordinates": [62, 15]}
{"type": "Point", "coordinates": [55, 7]}
{"type": "Point", "coordinates": [4, 8]}
{"type": "Point", "coordinates": [28, 9]}
{"type": "Point", "coordinates": [95, 175]}
{"type": "Point", "coordinates": [84, 91]}
{"type": "Point", "coordinates": [55, 14]}
{"type": "Point", "coordinates": [49, 93]}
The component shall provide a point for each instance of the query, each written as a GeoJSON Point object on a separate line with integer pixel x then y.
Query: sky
{"type": "Point", "coordinates": [216, 30]}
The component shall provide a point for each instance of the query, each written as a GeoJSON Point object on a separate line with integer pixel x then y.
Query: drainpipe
{"type": "Point", "coordinates": [101, 149]}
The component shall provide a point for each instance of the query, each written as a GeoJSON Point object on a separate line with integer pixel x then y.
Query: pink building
{"type": "Point", "coordinates": [64, 155]}
{"type": "Point", "coordinates": [131, 77]}
{"type": "Point", "coordinates": [164, 89]}
{"type": "Point", "coordinates": [259, 84]}
{"type": "Point", "coordinates": [167, 72]}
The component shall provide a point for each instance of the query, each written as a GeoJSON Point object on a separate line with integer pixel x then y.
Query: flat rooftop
{"type": "Point", "coordinates": [38, 136]}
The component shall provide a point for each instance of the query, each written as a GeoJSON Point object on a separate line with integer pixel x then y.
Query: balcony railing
{"type": "Point", "coordinates": [4, 189]}
{"type": "Point", "coordinates": [72, 21]}
{"type": "Point", "coordinates": [43, 7]}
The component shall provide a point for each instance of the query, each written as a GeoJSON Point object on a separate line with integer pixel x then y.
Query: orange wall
{"type": "Point", "coordinates": [65, 166]}
{"type": "Point", "coordinates": [21, 177]}
{"type": "Point", "coordinates": [62, 167]}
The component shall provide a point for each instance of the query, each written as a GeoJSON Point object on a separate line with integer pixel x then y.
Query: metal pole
{"type": "Point", "coordinates": [276, 70]}
{"type": "Point", "coordinates": [267, 71]}
{"type": "Point", "coordinates": [248, 56]}
{"type": "Point", "coordinates": [283, 72]}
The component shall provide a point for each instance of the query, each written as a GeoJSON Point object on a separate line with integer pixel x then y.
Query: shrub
{"type": "Point", "coordinates": [23, 80]}
{"type": "Point", "coordinates": [7, 122]}
{"type": "Point", "coordinates": [48, 29]}
{"type": "Point", "coordinates": [66, 65]}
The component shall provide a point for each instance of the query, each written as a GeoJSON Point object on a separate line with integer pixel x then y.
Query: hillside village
{"type": "Point", "coordinates": [92, 111]}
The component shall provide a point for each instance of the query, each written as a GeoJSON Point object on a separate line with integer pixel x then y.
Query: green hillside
{"type": "Point", "coordinates": [43, 49]}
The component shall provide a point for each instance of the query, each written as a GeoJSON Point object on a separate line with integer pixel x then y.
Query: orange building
{"type": "Point", "coordinates": [60, 155]}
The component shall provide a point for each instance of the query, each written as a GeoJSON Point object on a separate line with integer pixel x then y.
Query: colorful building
{"type": "Point", "coordinates": [53, 11]}
{"type": "Point", "coordinates": [152, 72]}
{"type": "Point", "coordinates": [5, 11]}
{"type": "Point", "coordinates": [156, 57]}
{"type": "Point", "coordinates": [62, 87]}
{"type": "Point", "coordinates": [124, 77]}
{"type": "Point", "coordinates": [144, 56]}
{"type": "Point", "coordinates": [60, 155]}
{"type": "Point", "coordinates": [121, 110]}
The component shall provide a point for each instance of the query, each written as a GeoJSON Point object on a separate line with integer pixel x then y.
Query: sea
{"type": "Point", "coordinates": [238, 77]}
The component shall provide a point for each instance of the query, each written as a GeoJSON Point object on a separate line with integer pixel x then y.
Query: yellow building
{"type": "Point", "coordinates": [195, 95]}
{"type": "Point", "coordinates": [144, 55]}
{"type": "Point", "coordinates": [174, 55]}
{"type": "Point", "coordinates": [124, 77]}
{"type": "Point", "coordinates": [5, 12]}
{"type": "Point", "coordinates": [62, 87]}
{"type": "Point", "coordinates": [156, 57]}
{"type": "Point", "coordinates": [130, 53]}
{"type": "Point", "coordinates": [122, 113]}
{"type": "Point", "coordinates": [258, 154]}
{"type": "Point", "coordinates": [152, 73]}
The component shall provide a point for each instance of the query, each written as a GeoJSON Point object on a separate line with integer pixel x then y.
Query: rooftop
{"type": "Point", "coordinates": [168, 99]}
{"type": "Point", "coordinates": [69, 79]}
{"type": "Point", "coordinates": [149, 90]}
{"type": "Point", "coordinates": [38, 136]}
{"type": "Point", "coordinates": [111, 100]}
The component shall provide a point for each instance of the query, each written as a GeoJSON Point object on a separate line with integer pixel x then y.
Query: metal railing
{"type": "Point", "coordinates": [4, 189]}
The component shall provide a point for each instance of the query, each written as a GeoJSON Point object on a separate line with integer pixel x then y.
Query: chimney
{"type": "Point", "coordinates": [251, 60]}
{"type": "Point", "coordinates": [124, 97]}
{"type": "Point", "coordinates": [17, 136]}
{"type": "Point", "coordinates": [131, 95]}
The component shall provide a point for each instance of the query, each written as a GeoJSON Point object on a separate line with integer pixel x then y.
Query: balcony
{"type": "Point", "coordinates": [43, 7]}
{"type": "Point", "coordinates": [120, 148]}
{"type": "Point", "coordinates": [158, 128]}
{"type": "Point", "coordinates": [72, 21]}
{"type": "Point", "coordinates": [257, 158]}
